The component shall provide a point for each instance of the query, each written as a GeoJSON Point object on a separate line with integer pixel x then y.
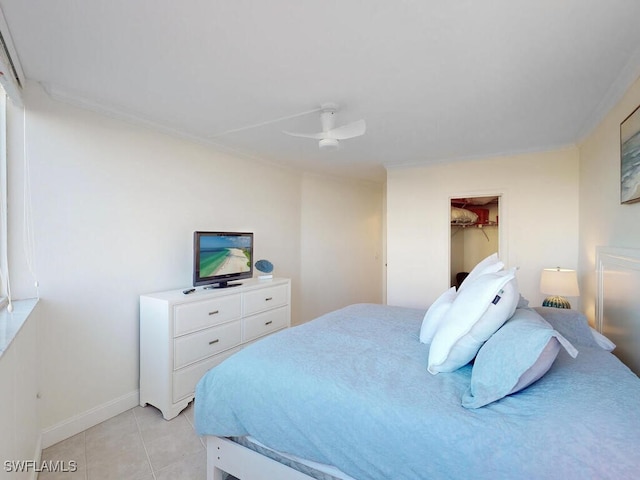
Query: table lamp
{"type": "Point", "coordinates": [558, 283]}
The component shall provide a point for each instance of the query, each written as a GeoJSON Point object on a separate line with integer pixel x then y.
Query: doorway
{"type": "Point", "coordinates": [474, 233]}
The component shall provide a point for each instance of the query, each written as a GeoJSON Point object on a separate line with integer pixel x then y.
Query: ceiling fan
{"type": "Point", "coordinates": [330, 135]}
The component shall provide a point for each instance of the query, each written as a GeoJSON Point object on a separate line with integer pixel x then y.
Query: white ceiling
{"type": "Point", "coordinates": [435, 80]}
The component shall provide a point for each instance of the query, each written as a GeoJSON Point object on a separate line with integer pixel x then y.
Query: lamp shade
{"type": "Point", "coordinates": [559, 281]}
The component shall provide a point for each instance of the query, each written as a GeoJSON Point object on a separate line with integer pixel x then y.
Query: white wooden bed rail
{"type": "Point", "coordinates": [223, 455]}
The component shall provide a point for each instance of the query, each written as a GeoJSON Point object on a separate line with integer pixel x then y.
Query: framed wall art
{"type": "Point", "coordinates": [630, 158]}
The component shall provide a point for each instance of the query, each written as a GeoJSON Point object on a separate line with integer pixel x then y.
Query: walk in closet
{"type": "Point", "coordinates": [474, 233]}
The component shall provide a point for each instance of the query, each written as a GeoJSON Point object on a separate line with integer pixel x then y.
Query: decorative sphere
{"type": "Point", "coordinates": [264, 266]}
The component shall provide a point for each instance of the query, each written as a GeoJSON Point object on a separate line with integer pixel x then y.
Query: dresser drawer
{"type": "Point", "coordinates": [196, 346]}
{"type": "Point", "coordinates": [265, 298]}
{"type": "Point", "coordinates": [185, 379]}
{"type": "Point", "coordinates": [190, 317]}
{"type": "Point", "coordinates": [264, 323]}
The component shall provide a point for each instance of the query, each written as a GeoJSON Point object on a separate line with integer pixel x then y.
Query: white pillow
{"type": "Point", "coordinates": [435, 314]}
{"type": "Point", "coordinates": [491, 264]}
{"type": "Point", "coordinates": [476, 313]}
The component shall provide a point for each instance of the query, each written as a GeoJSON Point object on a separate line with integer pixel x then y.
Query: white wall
{"type": "Point", "coordinates": [603, 220]}
{"type": "Point", "coordinates": [538, 219]}
{"type": "Point", "coordinates": [341, 244]}
{"type": "Point", "coordinates": [19, 369]}
{"type": "Point", "coordinates": [114, 207]}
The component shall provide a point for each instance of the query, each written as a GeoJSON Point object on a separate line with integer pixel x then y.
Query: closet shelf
{"type": "Point", "coordinates": [462, 226]}
{"type": "Point", "coordinates": [474, 224]}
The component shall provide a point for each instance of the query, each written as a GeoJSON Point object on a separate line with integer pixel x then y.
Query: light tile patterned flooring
{"type": "Point", "coordinates": [136, 445]}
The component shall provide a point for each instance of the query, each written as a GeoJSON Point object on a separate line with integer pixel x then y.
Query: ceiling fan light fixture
{"type": "Point", "coordinates": [329, 137]}
{"type": "Point", "coordinates": [328, 144]}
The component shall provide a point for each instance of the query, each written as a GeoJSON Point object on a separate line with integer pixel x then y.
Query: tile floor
{"type": "Point", "coordinates": [135, 445]}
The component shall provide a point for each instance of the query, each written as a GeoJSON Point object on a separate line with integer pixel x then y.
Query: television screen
{"type": "Point", "coordinates": [220, 257]}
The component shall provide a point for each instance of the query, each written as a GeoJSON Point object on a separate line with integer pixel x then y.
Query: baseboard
{"type": "Point", "coordinates": [78, 423]}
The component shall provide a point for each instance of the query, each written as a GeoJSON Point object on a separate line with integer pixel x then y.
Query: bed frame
{"type": "Point", "coordinates": [226, 456]}
{"type": "Point", "coordinates": [618, 302]}
{"type": "Point", "coordinates": [617, 317]}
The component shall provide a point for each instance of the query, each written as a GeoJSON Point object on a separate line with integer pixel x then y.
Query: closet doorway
{"type": "Point", "coordinates": [474, 233]}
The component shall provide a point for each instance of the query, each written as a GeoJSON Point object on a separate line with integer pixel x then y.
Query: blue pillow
{"type": "Point", "coordinates": [572, 324]}
{"type": "Point", "coordinates": [517, 355]}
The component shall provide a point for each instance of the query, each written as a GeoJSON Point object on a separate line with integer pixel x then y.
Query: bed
{"type": "Point", "coordinates": [348, 396]}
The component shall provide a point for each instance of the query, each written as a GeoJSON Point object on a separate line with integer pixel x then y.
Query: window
{"type": "Point", "coordinates": [3, 197]}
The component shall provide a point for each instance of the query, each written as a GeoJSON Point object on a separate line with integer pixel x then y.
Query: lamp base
{"type": "Point", "coordinates": [557, 302]}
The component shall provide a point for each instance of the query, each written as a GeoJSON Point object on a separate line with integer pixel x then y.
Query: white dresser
{"type": "Point", "coordinates": [183, 336]}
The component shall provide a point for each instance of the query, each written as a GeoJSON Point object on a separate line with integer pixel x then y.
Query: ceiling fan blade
{"type": "Point", "coordinates": [317, 136]}
{"type": "Point", "coordinates": [350, 130]}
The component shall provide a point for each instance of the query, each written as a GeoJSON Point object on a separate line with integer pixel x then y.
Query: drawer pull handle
{"type": "Point", "coordinates": [269, 322]}
{"type": "Point", "coordinates": [214, 341]}
{"type": "Point", "coordinates": [214, 312]}
{"type": "Point", "coordinates": [268, 298]}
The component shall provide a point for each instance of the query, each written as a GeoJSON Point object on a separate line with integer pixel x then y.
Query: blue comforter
{"type": "Point", "coordinates": [351, 389]}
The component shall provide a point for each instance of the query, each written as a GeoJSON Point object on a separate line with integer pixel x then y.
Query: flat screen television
{"type": "Point", "coordinates": [221, 257]}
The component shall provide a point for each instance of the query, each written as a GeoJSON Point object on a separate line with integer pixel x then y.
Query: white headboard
{"type": "Point", "coordinates": [618, 301]}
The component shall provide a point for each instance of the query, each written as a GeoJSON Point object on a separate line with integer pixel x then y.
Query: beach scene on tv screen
{"type": "Point", "coordinates": [224, 255]}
